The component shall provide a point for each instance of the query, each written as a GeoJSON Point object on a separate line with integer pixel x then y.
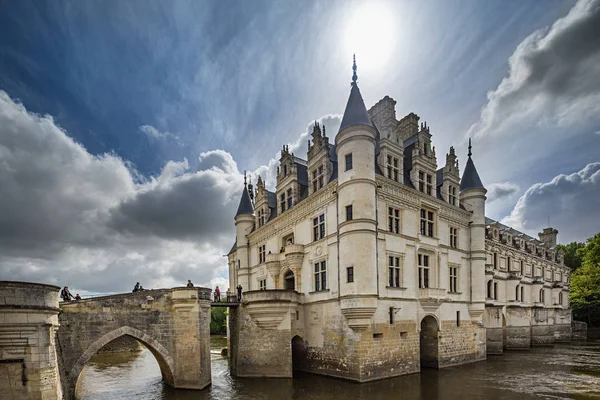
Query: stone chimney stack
{"type": "Point", "coordinates": [548, 236]}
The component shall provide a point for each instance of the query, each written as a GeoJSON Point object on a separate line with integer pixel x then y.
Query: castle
{"type": "Point", "coordinates": [369, 261]}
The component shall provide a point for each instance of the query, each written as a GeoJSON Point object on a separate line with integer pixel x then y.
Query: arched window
{"type": "Point", "coordinates": [522, 293]}
{"type": "Point", "coordinates": [495, 290]}
{"type": "Point", "coordinates": [541, 295]}
{"type": "Point", "coordinates": [517, 292]}
{"type": "Point", "coordinates": [560, 298]}
{"type": "Point", "coordinates": [489, 289]}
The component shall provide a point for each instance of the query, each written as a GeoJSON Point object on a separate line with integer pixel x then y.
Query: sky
{"type": "Point", "coordinates": [125, 126]}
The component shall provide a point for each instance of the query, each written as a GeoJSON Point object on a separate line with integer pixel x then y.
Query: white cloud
{"type": "Point", "coordinates": [155, 134]}
{"type": "Point", "coordinates": [571, 202]}
{"type": "Point", "coordinates": [93, 223]}
{"type": "Point", "coordinates": [501, 190]}
{"type": "Point", "coordinates": [553, 77]}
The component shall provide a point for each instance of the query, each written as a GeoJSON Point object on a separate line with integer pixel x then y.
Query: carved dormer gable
{"type": "Point", "coordinates": [262, 212]}
{"type": "Point", "coordinates": [288, 190]}
{"type": "Point", "coordinates": [450, 179]}
{"type": "Point", "coordinates": [319, 164]}
{"type": "Point", "coordinates": [408, 126]}
{"type": "Point", "coordinates": [423, 162]}
{"type": "Point", "coordinates": [391, 148]}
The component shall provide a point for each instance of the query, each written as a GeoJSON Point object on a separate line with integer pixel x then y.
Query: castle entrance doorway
{"type": "Point", "coordinates": [429, 343]}
{"type": "Point", "coordinates": [289, 281]}
{"type": "Point", "coordinates": [299, 353]}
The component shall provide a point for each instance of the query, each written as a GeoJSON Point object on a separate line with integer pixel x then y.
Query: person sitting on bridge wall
{"type": "Point", "coordinates": [190, 284]}
{"type": "Point", "coordinates": [136, 288]}
{"type": "Point", "coordinates": [65, 294]}
{"type": "Point", "coordinates": [239, 292]}
{"type": "Point", "coordinates": [77, 297]}
{"type": "Point", "coordinates": [217, 294]}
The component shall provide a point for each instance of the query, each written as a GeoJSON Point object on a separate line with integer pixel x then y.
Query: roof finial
{"type": "Point", "coordinates": [470, 148]}
{"type": "Point", "coordinates": [244, 177]}
{"type": "Point", "coordinates": [354, 76]}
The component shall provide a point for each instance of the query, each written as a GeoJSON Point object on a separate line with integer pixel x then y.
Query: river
{"type": "Point", "coordinates": [566, 371]}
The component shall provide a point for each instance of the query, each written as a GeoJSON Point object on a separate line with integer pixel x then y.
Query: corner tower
{"type": "Point", "coordinates": [355, 148]}
{"type": "Point", "coordinates": [472, 197]}
{"type": "Point", "coordinates": [244, 224]}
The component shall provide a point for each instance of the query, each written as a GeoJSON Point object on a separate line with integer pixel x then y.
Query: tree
{"type": "Point", "coordinates": [572, 257]}
{"type": "Point", "coordinates": [218, 320]}
{"type": "Point", "coordinates": [585, 283]}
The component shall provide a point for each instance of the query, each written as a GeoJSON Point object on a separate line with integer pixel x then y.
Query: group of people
{"type": "Point", "coordinates": [66, 295]}
{"type": "Point", "coordinates": [137, 288]}
{"type": "Point", "coordinates": [229, 294]}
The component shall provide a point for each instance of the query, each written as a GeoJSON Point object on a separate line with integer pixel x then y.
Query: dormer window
{"type": "Point", "coordinates": [392, 168]}
{"type": "Point", "coordinates": [285, 170]}
{"type": "Point", "coordinates": [289, 199]}
{"type": "Point", "coordinates": [317, 180]}
{"type": "Point", "coordinates": [452, 195]}
{"type": "Point", "coordinates": [425, 182]}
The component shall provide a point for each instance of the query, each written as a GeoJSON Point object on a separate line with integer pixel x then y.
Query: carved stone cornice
{"type": "Point", "coordinates": [519, 254]}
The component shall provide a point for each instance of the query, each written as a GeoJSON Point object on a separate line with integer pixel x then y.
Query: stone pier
{"type": "Point", "coordinates": [28, 352]}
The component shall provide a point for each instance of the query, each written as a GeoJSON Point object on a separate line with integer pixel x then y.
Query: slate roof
{"type": "Point", "coordinates": [356, 112]}
{"type": "Point", "coordinates": [470, 178]}
{"type": "Point", "coordinates": [512, 231]}
{"type": "Point", "coordinates": [245, 206]}
{"type": "Point", "coordinates": [233, 248]}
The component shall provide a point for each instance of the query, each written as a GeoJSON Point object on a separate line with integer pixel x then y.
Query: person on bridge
{"type": "Point", "coordinates": [217, 294]}
{"type": "Point", "coordinates": [65, 294]}
{"type": "Point", "coordinates": [190, 284]}
{"type": "Point", "coordinates": [136, 288]}
{"type": "Point", "coordinates": [239, 292]}
{"type": "Point", "coordinates": [228, 293]}
{"type": "Point", "coordinates": [77, 297]}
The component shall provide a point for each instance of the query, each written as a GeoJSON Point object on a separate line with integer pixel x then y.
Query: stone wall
{"type": "Point", "coordinates": [517, 332]}
{"type": "Point", "coordinates": [542, 327]}
{"type": "Point", "coordinates": [460, 344]}
{"type": "Point", "coordinates": [579, 330]}
{"type": "Point", "coordinates": [28, 321]}
{"type": "Point", "coordinates": [492, 319]}
{"type": "Point", "coordinates": [123, 344]}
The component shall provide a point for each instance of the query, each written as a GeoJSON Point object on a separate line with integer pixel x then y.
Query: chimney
{"type": "Point", "coordinates": [548, 236]}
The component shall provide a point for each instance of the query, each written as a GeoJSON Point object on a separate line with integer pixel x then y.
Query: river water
{"type": "Point", "coordinates": [566, 371]}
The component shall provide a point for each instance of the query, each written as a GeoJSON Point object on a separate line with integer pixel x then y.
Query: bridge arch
{"type": "Point", "coordinates": [162, 356]}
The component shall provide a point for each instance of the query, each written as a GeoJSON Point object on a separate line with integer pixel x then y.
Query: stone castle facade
{"type": "Point", "coordinates": [368, 261]}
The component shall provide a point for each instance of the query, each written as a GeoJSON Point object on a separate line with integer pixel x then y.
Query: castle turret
{"type": "Point", "coordinates": [355, 148]}
{"type": "Point", "coordinates": [244, 224]}
{"type": "Point", "coordinates": [472, 197]}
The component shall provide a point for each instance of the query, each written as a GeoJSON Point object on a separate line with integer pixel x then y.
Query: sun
{"type": "Point", "coordinates": [370, 35]}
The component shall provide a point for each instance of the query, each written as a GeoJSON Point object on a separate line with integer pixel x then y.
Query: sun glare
{"type": "Point", "coordinates": [370, 35]}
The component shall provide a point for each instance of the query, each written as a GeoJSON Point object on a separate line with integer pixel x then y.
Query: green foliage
{"type": "Point", "coordinates": [218, 320]}
{"type": "Point", "coordinates": [572, 256]}
{"type": "Point", "coordinates": [585, 283]}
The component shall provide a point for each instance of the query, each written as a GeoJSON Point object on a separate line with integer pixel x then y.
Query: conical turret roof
{"type": "Point", "coordinates": [245, 206]}
{"type": "Point", "coordinates": [470, 178]}
{"type": "Point", "coordinates": [356, 112]}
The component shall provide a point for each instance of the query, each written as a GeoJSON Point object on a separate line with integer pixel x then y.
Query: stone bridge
{"type": "Point", "coordinates": [174, 324]}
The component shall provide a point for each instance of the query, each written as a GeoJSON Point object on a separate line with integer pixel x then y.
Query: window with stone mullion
{"type": "Point", "coordinates": [320, 276]}
{"type": "Point", "coordinates": [394, 272]}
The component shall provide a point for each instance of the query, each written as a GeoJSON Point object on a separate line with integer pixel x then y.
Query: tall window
{"type": "Point", "coordinates": [522, 268]}
{"type": "Point", "coordinates": [285, 170]}
{"type": "Point", "coordinates": [421, 181]}
{"type": "Point", "coordinates": [452, 195]}
{"type": "Point", "coordinates": [495, 290]}
{"type": "Point", "coordinates": [262, 284]}
{"type": "Point", "coordinates": [319, 227]}
{"type": "Point", "coordinates": [428, 186]}
{"type": "Point", "coordinates": [320, 276]}
{"type": "Point", "coordinates": [522, 293]}
{"type": "Point", "coordinates": [349, 213]}
{"type": "Point", "coordinates": [426, 222]}
{"type": "Point", "coordinates": [261, 254]}
{"type": "Point", "coordinates": [423, 270]}
{"type": "Point", "coordinates": [394, 271]}
{"type": "Point", "coordinates": [392, 168]}
{"type": "Point", "coordinates": [350, 274]}
{"type": "Point", "coordinates": [495, 260]}
{"type": "Point", "coordinates": [560, 298]}
{"type": "Point", "coordinates": [289, 198]}
{"type": "Point", "coordinates": [261, 217]}
{"type": "Point", "coordinates": [517, 292]}
{"type": "Point", "coordinates": [541, 295]}
{"type": "Point", "coordinates": [282, 202]}
{"type": "Point", "coordinates": [348, 162]}
{"type": "Point", "coordinates": [393, 220]}
{"type": "Point", "coordinates": [509, 266]}
{"type": "Point", "coordinates": [489, 289]}
{"type": "Point", "coordinates": [453, 237]}
{"type": "Point", "coordinates": [453, 279]}
{"type": "Point", "coordinates": [317, 178]}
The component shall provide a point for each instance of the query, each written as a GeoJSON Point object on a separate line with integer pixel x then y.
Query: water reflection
{"type": "Point", "coordinates": [563, 371]}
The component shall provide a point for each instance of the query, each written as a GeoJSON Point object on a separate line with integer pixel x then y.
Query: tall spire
{"type": "Point", "coordinates": [470, 178]}
{"type": "Point", "coordinates": [245, 206]}
{"type": "Point", "coordinates": [356, 112]}
{"type": "Point", "coordinates": [354, 76]}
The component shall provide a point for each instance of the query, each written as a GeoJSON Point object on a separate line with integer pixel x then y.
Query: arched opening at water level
{"type": "Point", "coordinates": [122, 371]}
{"type": "Point", "coordinates": [429, 343]}
{"type": "Point", "coordinates": [299, 354]}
